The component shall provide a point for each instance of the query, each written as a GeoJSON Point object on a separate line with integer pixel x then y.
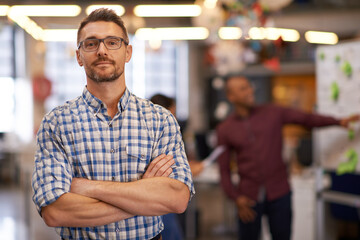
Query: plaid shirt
{"type": "Point", "coordinates": [79, 139]}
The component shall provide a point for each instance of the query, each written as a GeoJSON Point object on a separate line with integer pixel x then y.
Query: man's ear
{"type": "Point", "coordinates": [128, 53]}
{"type": "Point", "coordinates": [78, 58]}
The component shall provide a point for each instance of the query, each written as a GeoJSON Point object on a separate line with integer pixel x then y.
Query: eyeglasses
{"type": "Point", "coordinates": [111, 43]}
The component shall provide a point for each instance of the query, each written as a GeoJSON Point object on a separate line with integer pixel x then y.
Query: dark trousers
{"type": "Point", "coordinates": [279, 215]}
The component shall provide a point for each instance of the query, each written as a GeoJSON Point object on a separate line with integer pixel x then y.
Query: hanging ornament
{"type": "Point", "coordinates": [228, 57]}
{"type": "Point", "coordinates": [41, 88]}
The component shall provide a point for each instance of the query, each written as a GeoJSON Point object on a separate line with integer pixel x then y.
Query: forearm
{"type": "Point", "coordinates": [308, 120]}
{"type": "Point", "coordinates": [228, 187]}
{"type": "Point", "coordinates": [225, 175]}
{"type": "Point", "coordinates": [74, 210]}
{"type": "Point", "coordinates": [147, 197]}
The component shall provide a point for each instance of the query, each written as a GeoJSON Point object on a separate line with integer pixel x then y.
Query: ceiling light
{"type": "Point", "coordinates": [228, 33]}
{"type": "Point", "coordinates": [260, 33]}
{"type": "Point", "coordinates": [167, 10]}
{"type": "Point", "coordinates": [176, 33]}
{"type": "Point", "coordinates": [321, 37]}
{"type": "Point", "coordinates": [272, 33]}
{"type": "Point", "coordinates": [256, 33]}
{"type": "Point", "coordinates": [46, 10]}
{"type": "Point", "coordinates": [289, 35]}
{"type": "Point", "coordinates": [59, 35]}
{"type": "Point", "coordinates": [27, 24]}
{"type": "Point", "coordinates": [3, 10]}
{"type": "Point", "coordinates": [120, 10]}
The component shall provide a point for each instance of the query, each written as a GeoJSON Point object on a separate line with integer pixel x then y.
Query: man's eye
{"type": "Point", "coordinates": [90, 44]}
{"type": "Point", "coordinates": [112, 42]}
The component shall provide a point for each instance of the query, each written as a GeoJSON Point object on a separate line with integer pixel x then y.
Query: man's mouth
{"type": "Point", "coordinates": [103, 62]}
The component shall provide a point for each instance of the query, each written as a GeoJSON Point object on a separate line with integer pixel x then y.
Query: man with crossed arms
{"type": "Point", "coordinates": [108, 163]}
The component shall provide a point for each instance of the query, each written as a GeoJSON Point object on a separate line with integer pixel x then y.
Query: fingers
{"type": "Point", "coordinates": [154, 162]}
{"type": "Point", "coordinates": [247, 215]}
{"type": "Point", "coordinates": [160, 166]}
{"type": "Point", "coordinates": [166, 169]}
{"type": "Point", "coordinates": [163, 167]}
{"type": "Point", "coordinates": [245, 211]}
{"type": "Point", "coordinates": [355, 117]}
{"type": "Point", "coordinates": [345, 122]}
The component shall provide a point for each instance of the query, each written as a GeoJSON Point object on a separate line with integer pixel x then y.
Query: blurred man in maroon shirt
{"type": "Point", "coordinates": [254, 134]}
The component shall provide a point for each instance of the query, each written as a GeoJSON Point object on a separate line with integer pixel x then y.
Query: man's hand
{"type": "Point", "coordinates": [160, 167]}
{"type": "Point", "coordinates": [246, 213]}
{"type": "Point", "coordinates": [345, 122]}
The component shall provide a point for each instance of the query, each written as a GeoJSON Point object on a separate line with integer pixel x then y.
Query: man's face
{"type": "Point", "coordinates": [240, 92]}
{"type": "Point", "coordinates": [103, 65]}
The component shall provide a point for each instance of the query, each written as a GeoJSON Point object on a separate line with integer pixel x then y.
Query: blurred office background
{"type": "Point", "coordinates": [186, 56]}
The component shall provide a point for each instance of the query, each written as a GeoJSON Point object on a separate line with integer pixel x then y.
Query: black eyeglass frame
{"type": "Point", "coordinates": [121, 40]}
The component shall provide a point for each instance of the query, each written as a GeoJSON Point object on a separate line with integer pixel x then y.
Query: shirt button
{"type": "Point", "coordinates": [117, 230]}
{"type": "Point", "coordinates": [142, 155]}
{"type": "Point", "coordinates": [113, 178]}
{"type": "Point", "coordinates": [110, 125]}
{"type": "Point", "coordinates": [112, 150]}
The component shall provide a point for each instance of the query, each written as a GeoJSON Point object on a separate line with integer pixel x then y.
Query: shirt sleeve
{"type": "Point", "coordinates": [51, 176]}
{"type": "Point", "coordinates": [224, 165]}
{"type": "Point", "coordinates": [170, 142]}
{"type": "Point", "coordinates": [308, 120]}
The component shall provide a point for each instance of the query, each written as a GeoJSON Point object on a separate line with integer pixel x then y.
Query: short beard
{"type": "Point", "coordinates": [91, 74]}
{"type": "Point", "coordinates": [96, 78]}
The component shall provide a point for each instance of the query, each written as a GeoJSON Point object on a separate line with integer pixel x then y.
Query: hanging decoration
{"type": "Point", "coordinates": [227, 57]}
{"type": "Point", "coordinates": [244, 14]}
{"type": "Point", "coordinates": [232, 56]}
{"type": "Point", "coordinates": [41, 88]}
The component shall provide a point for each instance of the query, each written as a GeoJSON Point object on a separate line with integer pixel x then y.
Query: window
{"type": "Point", "coordinates": [163, 71]}
{"type": "Point", "coordinates": [7, 84]}
{"type": "Point", "coordinates": [61, 68]}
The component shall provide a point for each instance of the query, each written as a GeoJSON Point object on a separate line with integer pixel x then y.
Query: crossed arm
{"type": "Point", "coordinates": [94, 203]}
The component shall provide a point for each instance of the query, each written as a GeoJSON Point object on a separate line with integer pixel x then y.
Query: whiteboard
{"type": "Point", "coordinates": [338, 95]}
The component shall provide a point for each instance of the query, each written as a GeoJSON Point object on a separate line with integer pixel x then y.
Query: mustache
{"type": "Point", "coordinates": [101, 59]}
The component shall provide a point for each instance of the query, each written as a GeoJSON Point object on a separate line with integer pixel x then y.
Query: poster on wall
{"type": "Point", "coordinates": [338, 95]}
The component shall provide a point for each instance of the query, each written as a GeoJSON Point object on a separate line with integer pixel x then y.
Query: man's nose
{"type": "Point", "coordinates": [102, 50]}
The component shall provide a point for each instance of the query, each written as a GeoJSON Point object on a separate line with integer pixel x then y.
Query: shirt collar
{"type": "Point", "coordinates": [124, 100]}
{"type": "Point", "coordinates": [96, 104]}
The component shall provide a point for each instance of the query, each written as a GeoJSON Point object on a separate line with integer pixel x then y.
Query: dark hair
{"type": "Point", "coordinates": [230, 76]}
{"type": "Point", "coordinates": [162, 100]}
{"type": "Point", "coordinates": [103, 14]}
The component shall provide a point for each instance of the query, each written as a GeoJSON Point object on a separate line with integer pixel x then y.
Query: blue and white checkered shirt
{"type": "Point", "coordinates": [79, 139]}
